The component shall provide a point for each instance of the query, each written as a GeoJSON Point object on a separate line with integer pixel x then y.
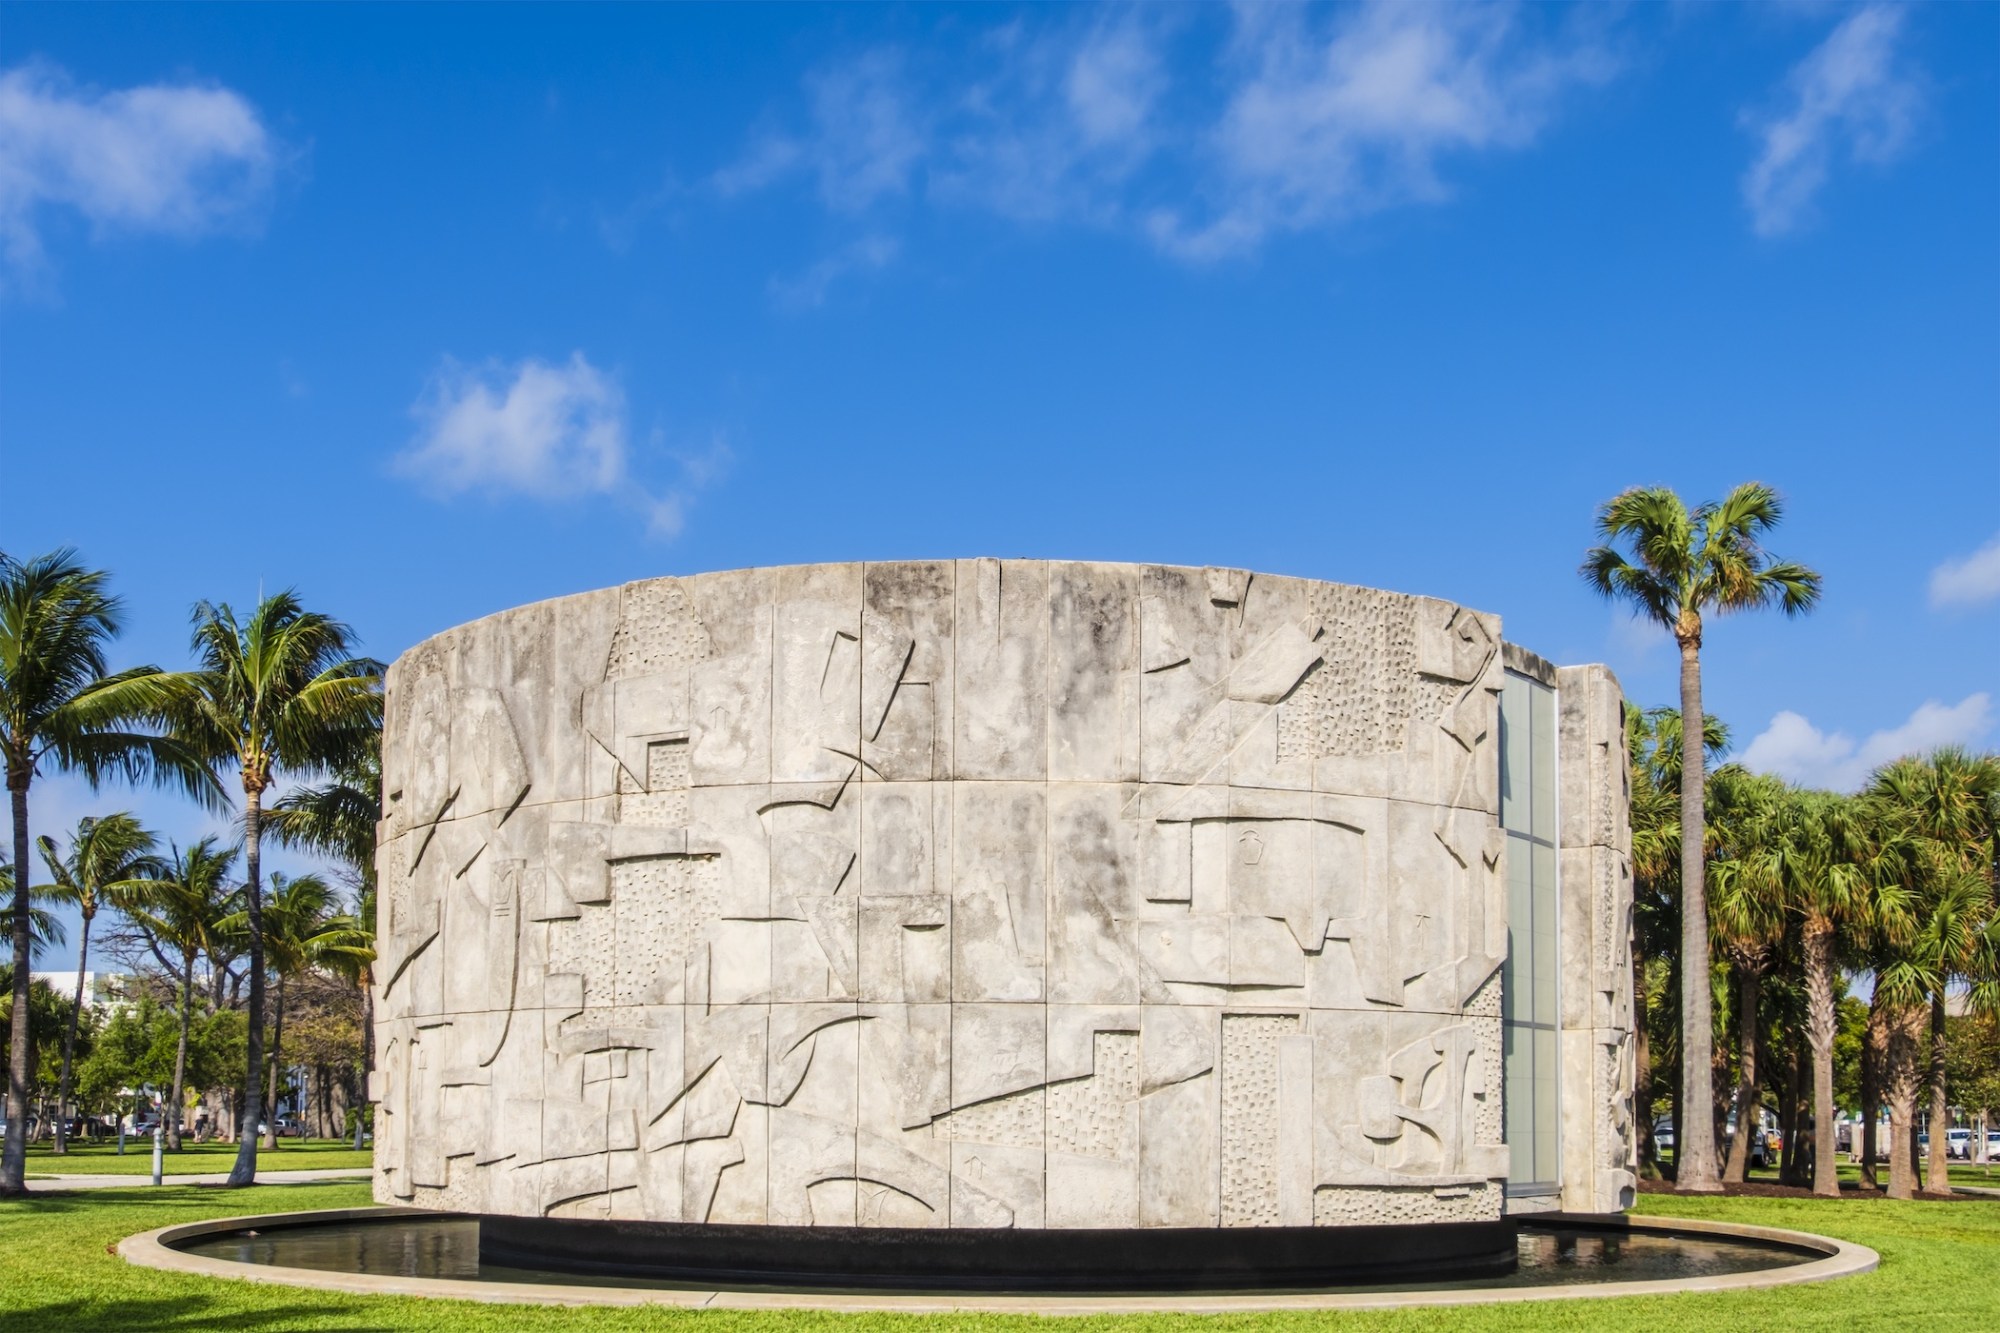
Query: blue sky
{"type": "Point", "coordinates": [430, 311]}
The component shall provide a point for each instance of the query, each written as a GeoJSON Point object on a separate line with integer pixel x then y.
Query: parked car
{"type": "Point", "coordinates": [1958, 1143]}
{"type": "Point", "coordinates": [1663, 1134]}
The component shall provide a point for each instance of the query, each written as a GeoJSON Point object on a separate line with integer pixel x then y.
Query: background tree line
{"type": "Point", "coordinates": [1758, 904]}
{"type": "Point", "coordinates": [277, 697]}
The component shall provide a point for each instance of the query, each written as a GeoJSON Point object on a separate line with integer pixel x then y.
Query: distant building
{"type": "Point", "coordinates": [106, 991]}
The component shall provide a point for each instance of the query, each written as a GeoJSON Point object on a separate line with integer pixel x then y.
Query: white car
{"type": "Point", "coordinates": [1958, 1143]}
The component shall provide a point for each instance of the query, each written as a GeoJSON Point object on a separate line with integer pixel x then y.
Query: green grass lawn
{"type": "Point", "coordinates": [1962, 1173]}
{"type": "Point", "coordinates": [195, 1159]}
{"type": "Point", "coordinates": [1940, 1270]}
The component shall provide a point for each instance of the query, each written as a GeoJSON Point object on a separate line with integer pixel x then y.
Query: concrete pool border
{"type": "Point", "coordinates": [156, 1249]}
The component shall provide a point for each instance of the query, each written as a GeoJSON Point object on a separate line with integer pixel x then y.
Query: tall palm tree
{"type": "Point", "coordinates": [1653, 744]}
{"type": "Point", "coordinates": [1687, 564]}
{"type": "Point", "coordinates": [280, 691]}
{"type": "Point", "coordinates": [60, 706]}
{"type": "Point", "coordinates": [1747, 914]}
{"type": "Point", "coordinates": [338, 819]}
{"type": "Point", "coordinates": [1943, 816]}
{"type": "Point", "coordinates": [303, 932]}
{"type": "Point", "coordinates": [183, 906]}
{"type": "Point", "coordinates": [104, 855]}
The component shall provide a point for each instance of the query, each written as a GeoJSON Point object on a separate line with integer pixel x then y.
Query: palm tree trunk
{"type": "Point", "coordinates": [21, 1051]}
{"type": "Point", "coordinates": [1694, 1148]}
{"type": "Point", "coordinates": [1642, 1085]}
{"type": "Point", "coordinates": [244, 1172]}
{"type": "Point", "coordinates": [1738, 1166]}
{"type": "Point", "coordinates": [69, 1041]}
{"type": "Point", "coordinates": [174, 1112]}
{"type": "Point", "coordinates": [277, 1047]}
{"type": "Point", "coordinates": [1940, 1164]}
{"type": "Point", "coordinates": [1874, 1065]}
{"type": "Point", "coordinates": [367, 1050]}
{"type": "Point", "coordinates": [1905, 1025]}
{"type": "Point", "coordinates": [1821, 1021]}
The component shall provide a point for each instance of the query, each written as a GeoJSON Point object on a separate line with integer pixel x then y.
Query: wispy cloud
{"type": "Point", "coordinates": [1793, 748]}
{"type": "Point", "coordinates": [1329, 121]}
{"type": "Point", "coordinates": [1297, 121]}
{"type": "Point", "coordinates": [181, 160]}
{"type": "Point", "coordinates": [809, 289]}
{"type": "Point", "coordinates": [547, 432]}
{"type": "Point", "coordinates": [1969, 580]}
{"type": "Point", "coordinates": [1853, 95]}
{"type": "Point", "coordinates": [863, 143]}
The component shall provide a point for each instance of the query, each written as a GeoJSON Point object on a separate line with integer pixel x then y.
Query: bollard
{"type": "Point", "coordinates": [121, 1136]}
{"type": "Point", "coordinates": [156, 1155]}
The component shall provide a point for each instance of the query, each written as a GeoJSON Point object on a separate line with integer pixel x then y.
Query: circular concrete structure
{"type": "Point", "coordinates": [783, 904]}
{"type": "Point", "coordinates": [1564, 1258]}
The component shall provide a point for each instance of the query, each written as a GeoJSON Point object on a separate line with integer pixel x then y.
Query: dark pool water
{"type": "Point", "coordinates": [449, 1248]}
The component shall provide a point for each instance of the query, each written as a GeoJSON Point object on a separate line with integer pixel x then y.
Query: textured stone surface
{"type": "Point", "coordinates": [976, 893]}
{"type": "Point", "coordinates": [1599, 1060]}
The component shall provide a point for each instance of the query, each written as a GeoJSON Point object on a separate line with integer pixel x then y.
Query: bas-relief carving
{"type": "Point", "coordinates": [977, 893]}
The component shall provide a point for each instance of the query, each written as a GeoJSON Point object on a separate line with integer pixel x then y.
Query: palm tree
{"type": "Point", "coordinates": [338, 819]}
{"type": "Point", "coordinates": [104, 854]}
{"type": "Point", "coordinates": [1653, 744]}
{"type": "Point", "coordinates": [281, 690]}
{"type": "Point", "coordinates": [1748, 919]}
{"type": "Point", "coordinates": [58, 705]}
{"type": "Point", "coordinates": [302, 932]}
{"type": "Point", "coordinates": [1943, 811]}
{"type": "Point", "coordinates": [183, 906]}
{"type": "Point", "coordinates": [1802, 853]}
{"type": "Point", "coordinates": [1688, 564]}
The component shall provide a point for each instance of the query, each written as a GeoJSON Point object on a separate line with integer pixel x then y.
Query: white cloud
{"type": "Point", "coordinates": [1852, 93]}
{"type": "Point", "coordinates": [178, 159]}
{"type": "Point", "coordinates": [1297, 123]}
{"type": "Point", "coordinates": [548, 432]}
{"type": "Point", "coordinates": [1329, 123]}
{"type": "Point", "coordinates": [533, 429]}
{"type": "Point", "coordinates": [1970, 580]}
{"type": "Point", "coordinates": [1794, 748]}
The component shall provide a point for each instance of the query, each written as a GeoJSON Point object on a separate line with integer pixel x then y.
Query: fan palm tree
{"type": "Point", "coordinates": [338, 819]}
{"type": "Point", "coordinates": [1747, 915]}
{"type": "Point", "coordinates": [61, 707]}
{"type": "Point", "coordinates": [1943, 814]}
{"type": "Point", "coordinates": [302, 932]}
{"type": "Point", "coordinates": [104, 855]}
{"type": "Point", "coordinates": [1653, 744]}
{"type": "Point", "coordinates": [1687, 564]}
{"type": "Point", "coordinates": [183, 905]}
{"type": "Point", "coordinates": [1801, 853]}
{"type": "Point", "coordinates": [280, 691]}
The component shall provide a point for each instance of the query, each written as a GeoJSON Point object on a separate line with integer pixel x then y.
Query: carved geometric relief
{"type": "Point", "coordinates": [978, 893]}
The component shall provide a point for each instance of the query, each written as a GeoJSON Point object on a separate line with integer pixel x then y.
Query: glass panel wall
{"type": "Point", "coordinates": [1528, 980]}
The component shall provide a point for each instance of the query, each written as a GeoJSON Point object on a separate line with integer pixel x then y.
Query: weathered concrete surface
{"type": "Point", "coordinates": [975, 893]}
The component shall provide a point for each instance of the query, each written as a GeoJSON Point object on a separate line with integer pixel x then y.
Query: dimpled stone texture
{"type": "Point", "coordinates": [1250, 1116]}
{"type": "Point", "coordinates": [971, 893]}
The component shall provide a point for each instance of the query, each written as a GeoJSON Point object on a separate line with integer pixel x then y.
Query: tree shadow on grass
{"type": "Point", "coordinates": [172, 1313]}
{"type": "Point", "coordinates": [140, 1197]}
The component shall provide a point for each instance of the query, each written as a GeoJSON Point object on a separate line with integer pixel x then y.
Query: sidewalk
{"type": "Point", "coordinates": [145, 1181]}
